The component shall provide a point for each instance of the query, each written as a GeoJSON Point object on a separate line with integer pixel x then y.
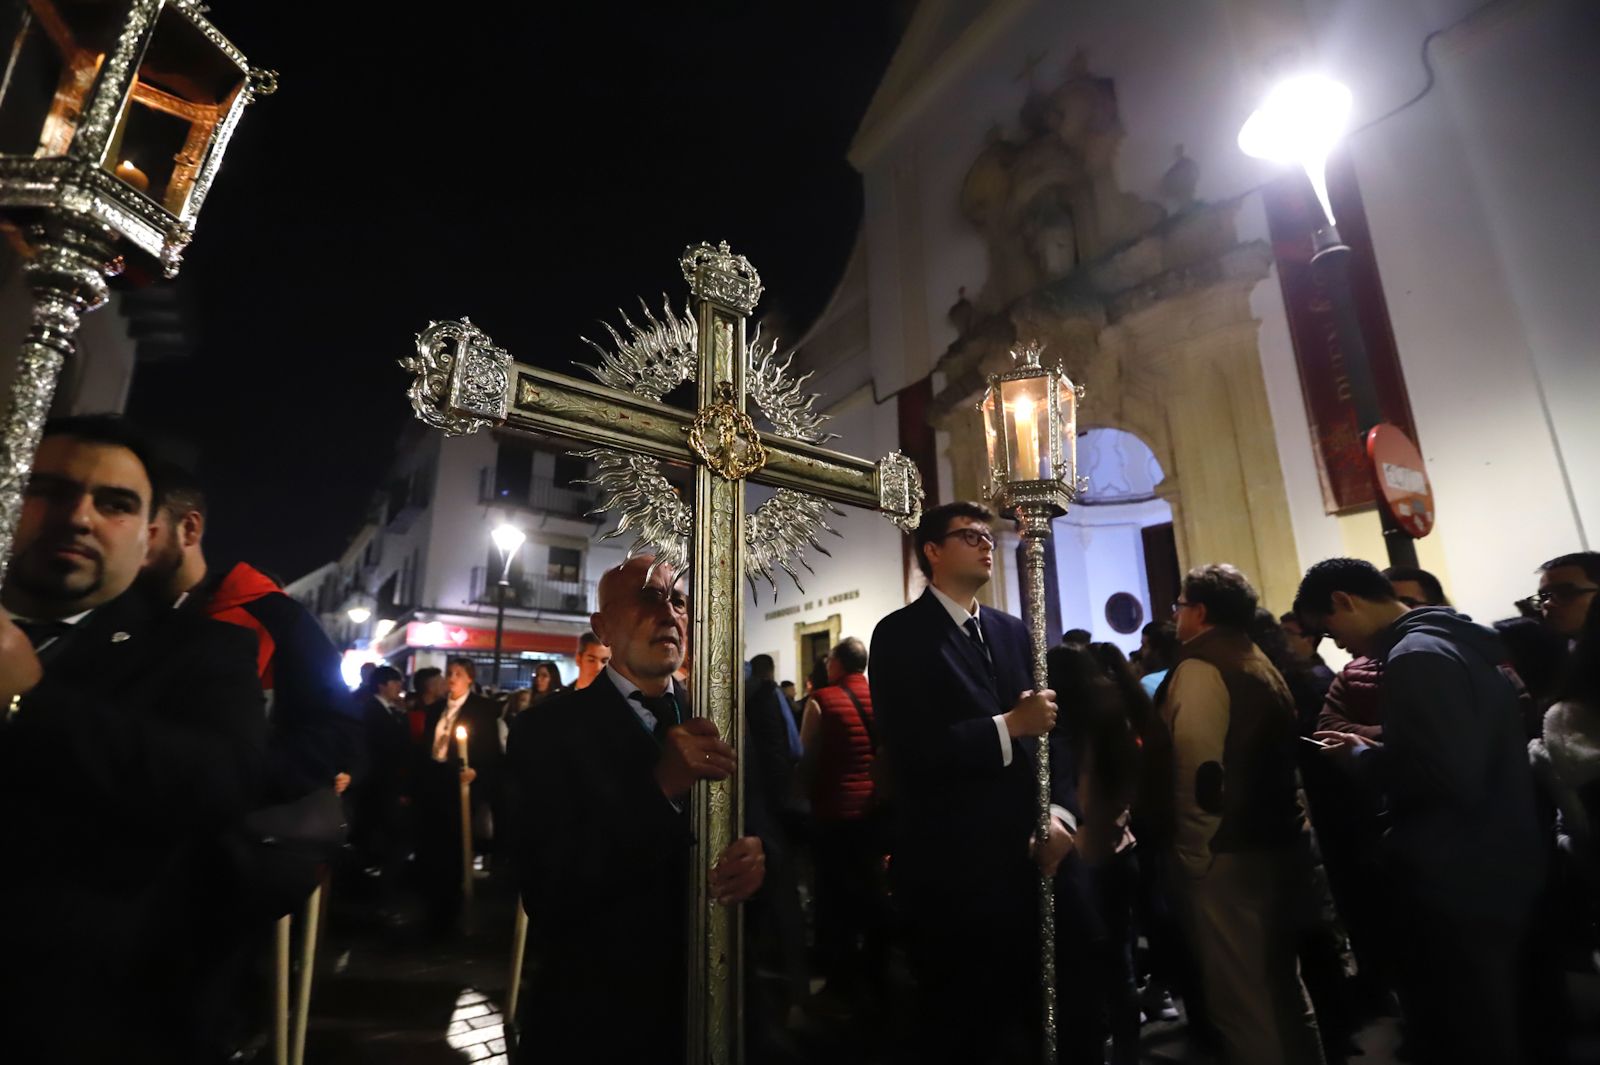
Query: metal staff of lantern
{"type": "Point", "coordinates": [1030, 419]}
{"type": "Point", "coordinates": [114, 115]}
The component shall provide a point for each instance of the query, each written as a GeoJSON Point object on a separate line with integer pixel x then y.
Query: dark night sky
{"type": "Point", "coordinates": [532, 166]}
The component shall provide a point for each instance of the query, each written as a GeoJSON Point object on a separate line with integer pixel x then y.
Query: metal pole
{"type": "Point", "coordinates": [1331, 266]}
{"type": "Point", "coordinates": [67, 279]}
{"type": "Point", "coordinates": [1033, 523]}
{"type": "Point", "coordinates": [499, 627]}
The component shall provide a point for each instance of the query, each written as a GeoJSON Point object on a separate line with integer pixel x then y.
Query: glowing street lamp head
{"type": "Point", "coordinates": [508, 538]}
{"type": "Point", "coordinates": [1299, 123]}
{"type": "Point", "coordinates": [358, 614]}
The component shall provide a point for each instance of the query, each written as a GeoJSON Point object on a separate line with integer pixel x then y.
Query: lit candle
{"type": "Point", "coordinates": [132, 175]}
{"type": "Point", "coordinates": [461, 745]}
{"type": "Point", "coordinates": [1027, 439]}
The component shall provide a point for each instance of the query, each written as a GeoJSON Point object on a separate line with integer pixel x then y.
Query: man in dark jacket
{"type": "Point", "coordinates": [603, 778]}
{"type": "Point", "coordinates": [315, 727]}
{"type": "Point", "coordinates": [952, 685]}
{"type": "Point", "coordinates": [133, 735]}
{"type": "Point", "coordinates": [1464, 851]}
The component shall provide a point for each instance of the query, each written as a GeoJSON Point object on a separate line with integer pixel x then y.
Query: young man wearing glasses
{"type": "Point", "coordinates": [950, 681]}
{"type": "Point", "coordinates": [1567, 585]}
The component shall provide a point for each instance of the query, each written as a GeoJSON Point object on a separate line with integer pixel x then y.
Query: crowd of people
{"type": "Point", "coordinates": [1286, 850]}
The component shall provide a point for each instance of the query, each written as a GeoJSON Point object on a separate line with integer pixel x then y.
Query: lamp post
{"type": "Point", "coordinates": [1299, 123]}
{"type": "Point", "coordinates": [508, 541]}
{"type": "Point", "coordinates": [114, 116]}
{"type": "Point", "coordinates": [1030, 419]}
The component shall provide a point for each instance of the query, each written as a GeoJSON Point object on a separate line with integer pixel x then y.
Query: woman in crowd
{"type": "Point", "coordinates": [1098, 719]}
{"type": "Point", "coordinates": [546, 682]}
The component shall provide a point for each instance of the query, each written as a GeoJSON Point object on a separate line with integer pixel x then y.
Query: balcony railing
{"type": "Point", "coordinates": [543, 495]}
{"type": "Point", "coordinates": [536, 593]}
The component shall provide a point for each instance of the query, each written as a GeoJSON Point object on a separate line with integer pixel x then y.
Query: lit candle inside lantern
{"type": "Point", "coordinates": [132, 175]}
{"type": "Point", "coordinates": [461, 745]}
{"type": "Point", "coordinates": [1027, 439]}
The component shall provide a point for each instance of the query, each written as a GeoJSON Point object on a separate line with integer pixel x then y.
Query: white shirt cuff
{"type": "Point", "coordinates": [1005, 739]}
{"type": "Point", "coordinates": [1065, 816]}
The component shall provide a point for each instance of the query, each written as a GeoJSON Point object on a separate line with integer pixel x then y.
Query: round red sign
{"type": "Point", "coordinates": [1402, 479]}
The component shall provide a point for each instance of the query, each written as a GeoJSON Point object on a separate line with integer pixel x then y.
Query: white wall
{"type": "Point", "coordinates": [865, 561]}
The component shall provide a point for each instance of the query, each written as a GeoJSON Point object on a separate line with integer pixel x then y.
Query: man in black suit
{"type": "Point", "coordinates": [438, 780]}
{"type": "Point", "coordinates": [377, 796]}
{"type": "Point", "coordinates": [951, 684]}
{"type": "Point", "coordinates": [603, 777]}
{"type": "Point", "coordinates": [133, 735]}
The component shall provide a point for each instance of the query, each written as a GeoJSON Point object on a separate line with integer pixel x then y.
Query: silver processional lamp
{"type": "Point", "coordinates": [1030, 417]}
{"type": "Point", "coordinates": [114, 116]}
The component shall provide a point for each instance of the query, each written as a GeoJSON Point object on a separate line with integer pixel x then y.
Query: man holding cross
{"type": "Point", "coordinates": [602, 778]}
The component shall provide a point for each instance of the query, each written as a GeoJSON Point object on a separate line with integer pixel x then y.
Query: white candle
{"type": "Point", "coordinates": [1027, 439]}
{"type": "Point", "coordinates": [461, 745]}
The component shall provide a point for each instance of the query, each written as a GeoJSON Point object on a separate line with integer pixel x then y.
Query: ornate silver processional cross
{"type": "Point", "coordinates": [465, 383]}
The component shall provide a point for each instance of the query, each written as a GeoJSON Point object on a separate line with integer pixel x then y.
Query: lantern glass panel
{"type": "Point", "coordinates": [53, 52]}
{"type": "Point", "coordinates": [993, 427]}
{"type": "Point", "coordinates": [1067, 400]}
{"type": "Point", "coordinates": [185, 88]}
{"type": "Point", "coordinates": [1027, 427]}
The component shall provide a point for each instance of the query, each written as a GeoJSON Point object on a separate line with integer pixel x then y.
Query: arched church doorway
{"type": "Point", "coordinates": [1116, 556]}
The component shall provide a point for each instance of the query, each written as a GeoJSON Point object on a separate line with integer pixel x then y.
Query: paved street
{"type": "Point", "coordinates": [386, 997]}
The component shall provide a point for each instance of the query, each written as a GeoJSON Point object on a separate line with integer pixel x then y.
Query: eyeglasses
{"type": "Point", "coordinates": [1179, 604]}
{"type": "Point", "coordinates": [971, 537]}
{"type": "Point", "coordinates": [1410, 601]}
{"type": "Point", "coordinates": [654, 596]}
{"type": "Point", "coordinates": [1563, 592]}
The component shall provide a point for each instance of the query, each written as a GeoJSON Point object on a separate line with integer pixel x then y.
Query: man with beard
{"type": "Point", "coordinates": [314, 725]}
{"type": "Point", "coordinates": [133, 736]}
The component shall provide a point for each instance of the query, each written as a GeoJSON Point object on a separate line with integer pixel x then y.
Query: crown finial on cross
{"type": "Point", "coordinates": [716, 273]}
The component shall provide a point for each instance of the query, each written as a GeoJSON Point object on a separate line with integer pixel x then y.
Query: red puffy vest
{"type": "Point", "coordinates": [841, 790]}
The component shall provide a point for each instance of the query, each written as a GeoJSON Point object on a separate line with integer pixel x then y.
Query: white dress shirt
{"type": "Point", "coordinates": [444, 731]}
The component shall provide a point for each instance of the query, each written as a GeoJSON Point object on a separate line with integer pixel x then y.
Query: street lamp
{"type": "Point", "coordinates": [508, 541]}
{"type": "Point", "coordinates": [1299, 123]}
{"type": "Point", "coordinates": [358, 615]}
{"type": "Point", "coordinates": [1030, 417]}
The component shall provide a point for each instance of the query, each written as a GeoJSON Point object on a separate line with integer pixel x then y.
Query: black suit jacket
{"type": "Point", "coordinates": [602, 866]}
{"type": "Point", "coordinates": [481, 716]}
{"type": "Point", "coordinates": [963, 818]}
{"type": "Point", "coordinates": [118, 774]}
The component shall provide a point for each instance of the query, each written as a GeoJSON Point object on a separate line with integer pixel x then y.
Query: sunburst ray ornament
{"type": "Point", "coordinates": [650, 360]}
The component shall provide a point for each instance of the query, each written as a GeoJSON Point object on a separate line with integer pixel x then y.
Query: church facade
{"type": "Point", "coordinates": [1070, 174]}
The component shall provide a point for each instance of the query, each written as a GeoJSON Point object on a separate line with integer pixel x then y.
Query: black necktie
{"type": "Point", "coordinates": [664, 708]}
{"type": "Point", "coordinates": [977, 638]}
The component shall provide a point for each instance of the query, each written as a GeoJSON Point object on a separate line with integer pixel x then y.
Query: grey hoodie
{"type": "Point", "coordinates": [1466, 836]}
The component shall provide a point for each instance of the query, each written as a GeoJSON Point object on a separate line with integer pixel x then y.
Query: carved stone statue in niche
{"type": "Point", "coordinates": [1050, 203]}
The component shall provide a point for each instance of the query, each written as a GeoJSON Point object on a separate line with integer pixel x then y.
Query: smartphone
{"type": "Point", "coordinates": [1320, 744]}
